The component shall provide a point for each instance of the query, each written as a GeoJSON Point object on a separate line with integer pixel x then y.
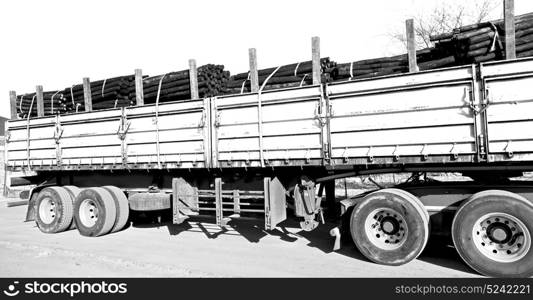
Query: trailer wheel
{"type": "Point", "coordinates": [94, 211]}
{"type": "Point", "coordinates": [54, 210]}
{"type": "Point", "coordinates": [73, 192]}
{"type": "Point", "coordinates": [389, 227]}
{"type": "Point", "coordinates": [492, 233]}
{"type": "Point", "coordinates": [121, 203]}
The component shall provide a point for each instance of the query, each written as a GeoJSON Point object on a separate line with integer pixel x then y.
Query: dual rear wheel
{"type": "Point", "coordinates": [93, 211]}
{"type": "Point", "coordinates": [492, 233]}
{"type": "Point", "coordinates": [390, 227]}
{"type": "Point", "coordinates": [491, 230]}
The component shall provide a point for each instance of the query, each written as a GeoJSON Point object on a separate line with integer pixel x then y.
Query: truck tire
{"type": "Point", "coordinates": [54, 210]}
{"type": "Point", "coordinates": [73, 192]}
{"type": "Point", "coordinates": [492, 232]}
{"type": "Point", "coordinates": [94, 211]}
{"type": "Point", "coordinates": [121, 203]}
{"type": "Point", "coordinates": [389, 227]}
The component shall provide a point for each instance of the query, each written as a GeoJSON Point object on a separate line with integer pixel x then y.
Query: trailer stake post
{"type": "Point", "coordinates": [315, 48]}
{"type": "Point", "coordinates": [40, 101]}
{"type": "Point", "coordinates": [87, 98]}
{"type": "Point", "coordinates": [13, 104]}
{"type": "Point", "coordinates": [254, 75]}
{"type": "Point", "coordinates": [139, 93]}
{"type": "Point", "coordinates": [193, 75]}
{"type": "Point", "coordinates": [509, 20]}
{"type": "Point", "coordinates": [411, 47]}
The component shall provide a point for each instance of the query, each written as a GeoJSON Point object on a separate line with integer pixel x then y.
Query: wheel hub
{"type": "Point", "coordinates": [501, 237]}
{"type": "Point", "coordinates": [390, 225]}
{"type": "Point", "coordinates": [47, 210]}
{"type": "Point", "coordinates": [88, 212]}
{"type": "Point", "coordinates": [499, 233]}
{"type": "Point", "coordinates": [386, 228]}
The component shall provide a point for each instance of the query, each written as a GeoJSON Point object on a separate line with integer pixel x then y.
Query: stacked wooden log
{"type": "Point", "coordinates": [107, 93]}
{"type": "Point", "coordinates": [466, 45]}
{"type": "Point", "coordinates": [485, 41]}
{"type": "Point", "coordinates": [176, 85]}
{"type": "Point", "coordinates": [54, 103]}
{"type": "Point", "coordinates": [292, 75]}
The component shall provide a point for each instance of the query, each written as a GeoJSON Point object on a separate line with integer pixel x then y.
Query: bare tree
{"type": "Point", "coordinates": [446, 17]}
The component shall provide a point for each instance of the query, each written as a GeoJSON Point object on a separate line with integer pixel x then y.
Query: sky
{"type": "Point", "coordinates": [55, 43]}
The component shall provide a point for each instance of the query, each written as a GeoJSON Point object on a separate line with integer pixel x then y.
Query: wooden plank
{"type": "Point", "coordinates": [404, 150]}
{"type": "Point", "coordinates": [405, 136]}
{"type": "Point", "coordinates": [87, 94]}
{"type": "Point", "coordinates": [509, 24]}
{"type": "Point", "coordinates": [403, 80]}
{"type": "Point", "coordinates": [282, 112]}
{"type": "Point", "coordinates": [13, 104]}
{"type": "Point", "coordinates": [193, 75]}
{"type": "Point", "coordinates": [510, 90]}
{"type": "Point", "coordinates": [452, 116]}
{"type": "Point", "coordinates": [254, 75]}
{"type": "Point", "coordinates": [253, 155]}
{"type": "Point", "coordinates": [40, 101]}
{"type": "Point", "coordinates": [139, 93]}
{"type": "Point", "coordinates": [412, 100]}
{"type": "Point", "coordinates": [269, 129]}
{"type": "Point", "coordinates": [281, 143]}
{"type": "Point", "coordinates": [315, 48]}
{"type": "Point", "coordinates": [509, 131]}
{"type": "Point", "coordinates": [411, 47]}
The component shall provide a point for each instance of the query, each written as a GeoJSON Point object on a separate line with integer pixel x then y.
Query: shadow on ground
{"type": "Point", "coordinates": [438, 250]}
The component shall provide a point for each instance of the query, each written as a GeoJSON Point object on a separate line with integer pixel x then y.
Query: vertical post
{"type": "Point", "coordinates": [315, 48]}
{"type": "Point", "coordinates": [87, 98]}
{"type": "Point", "coordinates": [40, 100]}
{"type": "Point", "coordinates": [254, 75]}
{"type": "Point", "coordinates": [193, 77]}
{"type": "Point", "coordinates": [508, 15]}
{"type": "Point", "coordinates": [139, 93]}
{"type": "Point", "coordinates": [13, 104]}
{"type": "Point", "coordinates": [411, 48]}
{"type": "Point", "coordinates": [218, 201]}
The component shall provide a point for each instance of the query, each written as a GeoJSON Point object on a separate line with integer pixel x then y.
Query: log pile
{"type": "Point", "coordinates": [293, 75]}
{"type": "Point", "coordinates": [108, 93]}
{"type": "Point", "coordinates": [465, 45]}
{"type": "Point", "coordinates": [475, 43]}
{"type": "Point", "coordinates": [54, 103]}
{"type": "Point", "coordinates": [486, 41]}
{"type": "Point", "coordinates": [176, 85]}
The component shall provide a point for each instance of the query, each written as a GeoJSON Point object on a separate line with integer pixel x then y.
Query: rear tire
{"type": "Point", "coordinates": [94, 211]}
{"type": "Point", "coordinates": [73, 192]}
{"type": "Point", "coordinates": [54, 210]}
{"type": "Point", "coordinates": [121, 203]}
{"type": "Point", "coordinates": [492, 233]}
{"type": "Point", "coordinates": [389, 227]}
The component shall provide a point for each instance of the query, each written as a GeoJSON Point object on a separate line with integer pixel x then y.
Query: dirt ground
{"type": "Point", "coordinates": [199, 249]}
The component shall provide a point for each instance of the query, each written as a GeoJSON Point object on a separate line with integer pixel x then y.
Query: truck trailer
{"type": "Point", "coordinates": [270, 153]}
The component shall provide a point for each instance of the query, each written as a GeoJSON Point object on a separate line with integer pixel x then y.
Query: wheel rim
{"type": "Point", "coordinates": [88, 213]}
{"type": "Point", "coordinates": [501, 237]}
{"type": "Point", "coordinates": [47, 210]}
{"type": "Point", "coordinates": [386, 228]}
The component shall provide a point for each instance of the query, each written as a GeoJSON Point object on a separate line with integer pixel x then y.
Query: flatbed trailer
{"type": "Point", "coordinates": [261, 153]}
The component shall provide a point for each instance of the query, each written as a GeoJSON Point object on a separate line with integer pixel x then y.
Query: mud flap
{"type": "Point", "coordinates": [30, 213]}
{"type": "Point", "coordinates": [184, 200]}
{"type": "Point", "coordinates": [32, 203]}
{"type": "Point", "coordinates": [275, 203]}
